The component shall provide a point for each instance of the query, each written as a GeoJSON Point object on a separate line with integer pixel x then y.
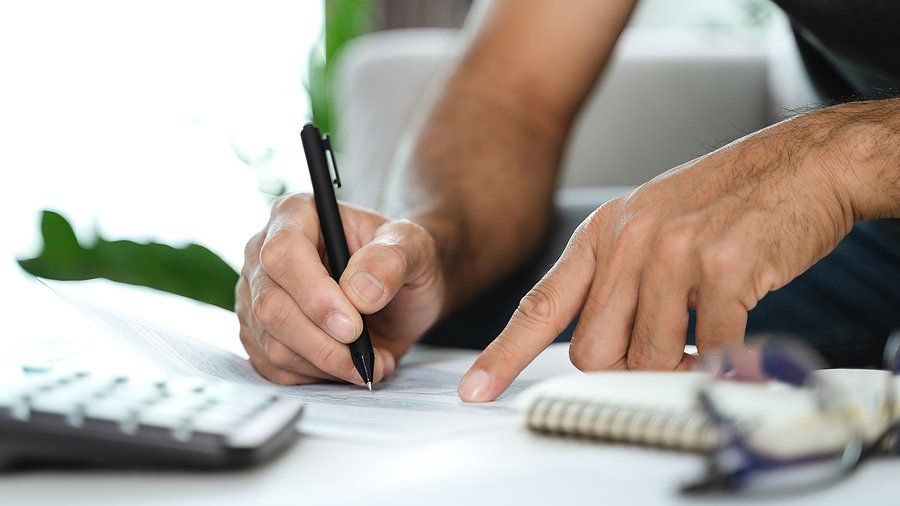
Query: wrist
{"type": "Point", "coordinates": [864, 139]}
{"type": "Point", "coordinates": [450, 240]}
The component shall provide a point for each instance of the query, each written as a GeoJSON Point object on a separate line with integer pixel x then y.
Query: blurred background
{"type": "Point", "coordinates": [144, 141]}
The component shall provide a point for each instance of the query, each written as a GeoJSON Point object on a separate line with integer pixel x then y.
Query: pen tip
{"type": "Point", "coordinates": [369, 384]}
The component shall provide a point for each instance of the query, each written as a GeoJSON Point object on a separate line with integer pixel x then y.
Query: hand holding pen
{"type": "Point", "coordinates": [297, 321]}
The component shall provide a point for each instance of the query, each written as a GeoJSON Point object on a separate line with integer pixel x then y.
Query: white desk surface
{"type": "Point", "coordinates": [506, 465]}
{"type": "Point", "coordinates": [509, 466]}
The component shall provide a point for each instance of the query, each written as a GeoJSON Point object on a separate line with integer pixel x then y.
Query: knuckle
{"type": "Point", "coordinates": [279, 204]}
{"type": "Point", "coordinates": [268, 307]}
{"type": "Point", "coordinates": [284, 378]}
{"type": "Point", "coordinates": [600, 217]}
{"type": "Point", "coordinates": [597, 300]}
{"type": "Point", "coordinates": [247, 339]}
{"type": "Point", "coordinates": [410, 229]}
{"type": "Point", "coordinates": [274, 253]}
{"type": "Point", "coordinates": [720, 263]}
{"type": "Point", "coordinates": [539, 305]}
{"type": "Point", "coordinates": [591, 352]}
{"type": "Point", "coordinates": [582, 238]}
{"type": "Point", "coordinates": [640, 358]}
{"type": "Point", "coordinates": [327, 358]}
{"type": "Point", "coordinates": [279, 355]}
{"type": "Point", "coordinates": [609, 209]}
{"type": "Point", "coordinates": [636, 362]}
{"type": "Point", "coordinates": [257, 366]}
{"type": "Point", "coordinates": [635, 227]}
{"type": "Point", "coordinates": [502, 351]}
{"type": "Point", "coordinates": [676, 242]}
{"type": "Point", "coordinates": [292, 202]}
{"type": "Point", "coordinates": [318, 308]}
{"type": "Point", "coordinates": [420, 238]}
{"type": "Point", "coordinates": [647, 353]}
{"type": "Point", "coordinates": [579, 355]}
{"type": "Point", "coordinates": [394, 260]}
{"type": "Point", "coordinates": [586, 356]}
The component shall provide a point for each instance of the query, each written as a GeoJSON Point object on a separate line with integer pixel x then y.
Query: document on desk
{"type": "Point", "coordinates": [419, 402]}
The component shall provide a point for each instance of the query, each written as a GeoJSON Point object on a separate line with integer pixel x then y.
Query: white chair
{"type": "Point", "coordinates": [668, 96]}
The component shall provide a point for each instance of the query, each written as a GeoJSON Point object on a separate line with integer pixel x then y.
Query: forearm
{"type": "Point", "coordinates": [479, 176]}
{"type": "Point", "coordinates": [481, 171]}
{"type": "Point", "coordinates": [853, 151]}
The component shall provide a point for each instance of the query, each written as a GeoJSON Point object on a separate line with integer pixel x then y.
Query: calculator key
{"type": "Point", "coordinates": [238, 412]}
{"type": "Point", "coordinates": [42, 381]}
{"type": "Point", "coordinates": [165, 418]}
{"type": "Point", "coordinates": [184, 386]}
{"type": "Point", "coordinates": [58, 402]}
{"type": "Point", "coordinates": [65, 397]}
{"type": "Point", "coordinates": [115, 410]}
{"type": "Point", "coordinates": [212, 422]}
{"type": "Point", "coordinates": [186, 404]}
{"type": "Point", "coordinates": [171, 413]}
{"type": "Point", "coordinates": [226, 390]}
{"type": "Point", "coordinates": [137, 393]}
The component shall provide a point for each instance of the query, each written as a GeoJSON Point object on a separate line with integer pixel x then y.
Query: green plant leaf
{"type": "Point", "coordinates": [191, 271]}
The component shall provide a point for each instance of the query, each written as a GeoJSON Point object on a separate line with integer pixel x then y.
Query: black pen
{"type": "Point", "coordinates": [317, 148]}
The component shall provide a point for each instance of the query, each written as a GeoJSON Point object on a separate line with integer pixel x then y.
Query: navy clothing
{"type": "Point", "coordinates": [851, 48]}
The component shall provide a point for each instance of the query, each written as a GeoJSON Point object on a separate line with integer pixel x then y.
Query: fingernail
{"type": "Point", "coordinates": [341, 327]}
{"type": "Point", "coordinates": [367, 286]}
{"type": "Point", "coordinates": [474, 386]}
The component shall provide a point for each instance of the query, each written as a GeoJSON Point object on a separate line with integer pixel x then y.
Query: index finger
{"type": "Point", "coordinates": [291, 258]}
{"type": "Point", "coordinates": [542, 314]}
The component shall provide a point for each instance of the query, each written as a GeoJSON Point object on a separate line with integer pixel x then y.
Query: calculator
{"type": "Point", "coordinates": [84, 418]}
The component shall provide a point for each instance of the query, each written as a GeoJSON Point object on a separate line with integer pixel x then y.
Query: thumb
{"type": "Point", "coordinates": [543, 313]}
{"type": "Point", "coordinates": [401, 252]}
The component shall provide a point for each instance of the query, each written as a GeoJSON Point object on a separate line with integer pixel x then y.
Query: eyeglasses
{"type": "Point", "coordinates": [786, 424]}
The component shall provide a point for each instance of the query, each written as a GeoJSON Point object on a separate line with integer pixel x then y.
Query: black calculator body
{"type": "Point", "coordinates": [82, 418]}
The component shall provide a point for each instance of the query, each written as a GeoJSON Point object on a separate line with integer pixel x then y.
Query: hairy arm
{"type": "Point", "coordinates": [866, 143]}
{"type": "Point", "coordinates": [714, 235]}
{"type": "Point", "coordinates": [481, 169]}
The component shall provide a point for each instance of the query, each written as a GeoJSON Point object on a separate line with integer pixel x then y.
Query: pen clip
{"type": "Point", "coordinates": [330, 150]}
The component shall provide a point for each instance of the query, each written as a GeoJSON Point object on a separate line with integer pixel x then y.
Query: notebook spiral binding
{"type": "Point", "coordinates": [623, 424]}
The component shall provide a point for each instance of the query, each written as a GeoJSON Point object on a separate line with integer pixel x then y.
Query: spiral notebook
{"type": "Point", "coordinates": [662, 409]}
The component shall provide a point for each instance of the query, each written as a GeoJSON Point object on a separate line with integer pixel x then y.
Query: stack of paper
{"type": "Point", "coordinates": [419, 402]}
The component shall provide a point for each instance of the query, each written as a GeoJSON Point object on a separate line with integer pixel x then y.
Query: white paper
{"type": "Point", "coordinates": [419, 401]}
